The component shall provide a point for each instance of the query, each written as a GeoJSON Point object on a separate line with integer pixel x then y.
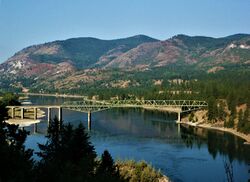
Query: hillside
{"type": "Point", "coordinates": [203, 52]}
{"type": "Point", "coordinates": [69, 55]}
{"type": "Point", "coordinates": [84, 63]}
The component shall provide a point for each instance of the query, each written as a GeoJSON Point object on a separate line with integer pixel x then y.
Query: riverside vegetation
{"type": "Point", "coordinates": [68, 155]}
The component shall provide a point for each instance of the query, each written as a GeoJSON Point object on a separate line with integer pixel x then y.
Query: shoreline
{"type": "Point", "coordinates": [223, 129]}
{"type": "Point", "coordinates": [23, 122]}
{"type": "Point", "coordinates": [53, 95]}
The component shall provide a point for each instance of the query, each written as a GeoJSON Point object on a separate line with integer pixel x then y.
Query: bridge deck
{"type": "Point", "coordinates": [95, 105]}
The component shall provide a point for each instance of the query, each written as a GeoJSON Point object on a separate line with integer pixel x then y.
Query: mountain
{"type": "Point", "coordinates": [68, 55]}
{"type": "Point", "coordinates": [82, 62]}
{"type": "Point", "coordinates": [203, 52]}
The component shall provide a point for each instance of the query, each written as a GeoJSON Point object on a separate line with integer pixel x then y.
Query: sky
{"type": "Point", "coordinates": [28, 22]}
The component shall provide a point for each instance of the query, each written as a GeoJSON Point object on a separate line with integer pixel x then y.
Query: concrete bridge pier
{"type": "Point", "coordinates": [179, 117]}
{"type": "Point", "coordinates": [60, 117]}
{"type": "Point", "coordinates": [179, 123]}
{"type": "Point", "coordinates": [35, 113]}
{"type": "Point", "coordinates": [89, 120]}
{"type": "Point", "coordinates": [49, 114]}
{"type": "Point", "coordinates": [13, 112]}
{"type": "Point", "coordinates": [60, 114]}
{"type": "Point", "coordinates": [22, 113]}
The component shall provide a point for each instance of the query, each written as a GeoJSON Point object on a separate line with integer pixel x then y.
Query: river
{"type": "Point", "coordinates": [187, 154]}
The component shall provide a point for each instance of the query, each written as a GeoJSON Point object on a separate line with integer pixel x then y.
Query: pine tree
{"type": "Point", "coordinates": [107, 163]}
{"type": "Point", "coordinates": [241, 123]}
{"type": "Point", "coordinates": [15, 161]}
{"type": "Point", "coordinates": [50, 150]}
{"type": "Point", "coordinates": [246, 121]}
{"type": "Point", "coordinates": [230, 123]}
{"type": "Point", "coordinates": [67, 156]}
{"type": "Point", "coordinates": [212, 109]}
{"type": "Point", "coordinates": [106, 170]}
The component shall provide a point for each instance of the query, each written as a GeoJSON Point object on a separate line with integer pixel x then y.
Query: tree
{"type": "Point", "coordinates": [10, 99]}
{"type": "Point", "coordinates": [241, 123]}
{"type": "Point", "coordinates": [50, 150]}
{"type": "Point", "coordinates": [244, 123]}
{"type": "Point", "coordinates": [67, 156]}
{"type": "Point", "coordinates": [212, 109]}
{"type": "Point", "coordinates": [16, 162]}
{"type": "Point", "coordinates": [230, 123]}
{"type": "Point", "coordinates": [191, 117]}
{"type": "Point", "coordinates": [107, 171]}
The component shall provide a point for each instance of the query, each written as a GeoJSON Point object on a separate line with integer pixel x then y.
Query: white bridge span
{"type": "Point", "coordinates": [91, 106]}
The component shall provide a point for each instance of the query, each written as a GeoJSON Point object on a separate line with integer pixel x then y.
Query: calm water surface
{"type": "Point", "coordinates": [186, 154]}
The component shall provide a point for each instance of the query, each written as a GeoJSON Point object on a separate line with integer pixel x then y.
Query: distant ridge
{"type": "Point", "coordinates": [55, 61]}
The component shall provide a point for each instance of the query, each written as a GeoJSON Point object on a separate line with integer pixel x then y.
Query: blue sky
{"type": "Point", "coordinates": [28, 22]}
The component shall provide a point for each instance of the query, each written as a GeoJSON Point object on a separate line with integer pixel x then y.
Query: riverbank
{"type": "Point", "coordinates": [53, 95]}
{"type": "Point", "coordinates": [131, 171]}
{"type": "Point", "coordinates": [202, 123]}
{"type": "Point", "coordinates": [23, 122]}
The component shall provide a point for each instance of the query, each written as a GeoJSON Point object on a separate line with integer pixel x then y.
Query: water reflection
{"type": "Point", "coordinates": [217, 143]}
{"type": "Point", "coordinates": [135, 122]}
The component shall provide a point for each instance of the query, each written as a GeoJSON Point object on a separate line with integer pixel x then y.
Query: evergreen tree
{"type": "Point", "coordinates": [106, 170]}
{"type": "Point", "coordinates": [10, 99]}
{"type": "Point", "coordinates": [107, 163]}
{"type": "Point", "coordinates": [212, 109]}
{"type": "Point", "coordinates": [230, 122]}
{"type": "Point", "coordinates": [241, 122]}
{"type": "Point", "coordinates": [244, 123]}
{"type": "Point", "coordinates": [67, 156]}
{"type": "Point", "coordinates": [50, 150]}
{"type": "Point", "coordinates": [247, 121]}
{"type": "Point", "coordinates": [15, 161]}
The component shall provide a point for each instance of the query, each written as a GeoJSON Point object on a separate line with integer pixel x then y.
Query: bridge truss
{"type": "Point", "coordinates": [178, 106]}
{"type": "Point", "coordinates": [90, 106]}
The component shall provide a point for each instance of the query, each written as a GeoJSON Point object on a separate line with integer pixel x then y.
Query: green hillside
{"type": "Point", "coordinates": [85, 52]}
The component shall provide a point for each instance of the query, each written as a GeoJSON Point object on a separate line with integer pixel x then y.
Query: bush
{"type": "Point", "coordinates": [138, 171]}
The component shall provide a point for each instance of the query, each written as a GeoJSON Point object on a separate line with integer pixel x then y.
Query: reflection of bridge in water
{"type": "Point", "coordinates": [91, 106]}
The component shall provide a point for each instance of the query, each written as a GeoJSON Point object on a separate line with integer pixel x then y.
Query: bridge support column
{"type": "Point", "coordinates": [179, 123]}
{"type": "Point", "coordinates": [35, 113]}
{"type": "Point", "coordinates": [13, 112]}
{"type": "Point", "coordinates": [89, 120]}
{"type": "Point", "coordinates": [35, 128]}
{"type": "Point", "coordinates": [60, 114]}
{"type": "Point", "coordinates": [22, 113]}
{"type": "Point", "coordinates": [49, 114]}
{"type": "Point", "coordinates": [179, 117]}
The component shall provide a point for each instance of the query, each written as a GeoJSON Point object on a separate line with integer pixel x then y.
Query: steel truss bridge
{"type": "Point", "coordinates": [91, 106]}
{"type": "Point", "coordinates": [164, 105]}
